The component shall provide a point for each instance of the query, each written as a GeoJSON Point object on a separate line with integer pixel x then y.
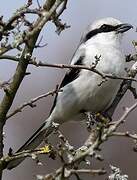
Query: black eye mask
{"type": "Point", "coordinates": [103, 29]}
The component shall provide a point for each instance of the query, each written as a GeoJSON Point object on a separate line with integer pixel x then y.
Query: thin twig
{"type": "Point", "coordinates": [26, 153]}
{"type": "Point", "coordinates": [89, 171]}
{"type": "Point", "coordinates": [125, 134]}
{"type": "Point", "coordinates": [68, 66]}
{"type": "Point", "coordinates": [90, 68]}
{"type": "Point", "coordinates": [28, 38]}
{"type": "Point", "coordinates": [9, 57]}
{"type": "Point", "coordinates": [62, 8]}
{"type": "Point", "coordinates": [31, 103]}
{"type": "Point", "coordinates": [128, 110]}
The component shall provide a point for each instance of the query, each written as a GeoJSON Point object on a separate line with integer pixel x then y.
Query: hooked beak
{"type": "Point", "coordinates": [123, 28]}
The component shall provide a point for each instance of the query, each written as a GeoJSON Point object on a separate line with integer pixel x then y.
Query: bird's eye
{"type": "Point", "coordinates": [104, 26]}
{"type": "Point", "coordinates": [107, 28]}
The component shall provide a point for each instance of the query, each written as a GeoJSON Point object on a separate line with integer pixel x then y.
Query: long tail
{"type": "Point", "coordinates": [34, 141]}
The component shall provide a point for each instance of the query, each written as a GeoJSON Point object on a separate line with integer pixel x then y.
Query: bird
{"type": "Point", "coordinates": [80, 91]}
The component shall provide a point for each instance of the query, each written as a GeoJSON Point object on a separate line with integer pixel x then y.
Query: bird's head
{"type": "Point", "coordinates": [106, 30]}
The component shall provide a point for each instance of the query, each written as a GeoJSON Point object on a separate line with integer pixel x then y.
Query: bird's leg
{"type": "Point", "coordinates": [96, 119]}
{"type": "Point", "coordinates": [90, 120]}
{"type": "Point", "coordinates": [93, 119]}
{"type": "Point", "coordinates": [102, 122]}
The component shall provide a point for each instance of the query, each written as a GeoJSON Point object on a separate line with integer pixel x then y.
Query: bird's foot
{"type": "Point", "coordinates": [97, 119]}
{"type": "Point", "coordinates": [90, 120]}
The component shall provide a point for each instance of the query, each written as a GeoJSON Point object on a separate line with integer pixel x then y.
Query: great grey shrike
{"type": "Point", "coordinates": [80, 90]}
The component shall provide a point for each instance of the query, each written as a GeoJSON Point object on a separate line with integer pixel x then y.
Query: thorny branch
{"type": "Point", "coordinates": [91, 68]}
{"type": "Point", "coordinates": [97, 136]}
{"type": "Point", "coordinates": [47, 149]}
{"type": "Point", "coordinates": [19, 33]}
{"type": "Point", "coordinates": [125, 134]}
{"type": "Point", "coordinates": [31, 102]}
{"type": "Point", "coordinates": [45, 14]}
{"type": "Point", "coordinates": [125, 85]}
{"type": "Point", "coordinates": [68, 66]}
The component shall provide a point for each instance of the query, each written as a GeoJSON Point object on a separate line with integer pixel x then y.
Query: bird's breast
{"type": "Point", "coordinates": [111, 59]}
{"type": "Point", "coordinates": [95, 94]}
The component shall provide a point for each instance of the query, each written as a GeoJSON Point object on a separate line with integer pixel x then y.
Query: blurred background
{"type": "Point", "coordinates": [60, 49]}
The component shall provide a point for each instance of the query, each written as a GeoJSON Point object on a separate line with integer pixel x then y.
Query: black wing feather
{"type": "Point", "coordinates": [68, 78]}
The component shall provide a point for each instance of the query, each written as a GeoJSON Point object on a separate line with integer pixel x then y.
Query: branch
{"type": "Point", "coordinates": [116, 174]}
{"type": "Point", "coordinates": [27, 153]}
{"type": "Point", "coordinates": [125, 85]}
{"type": "Point", "coordinates": [64, 5]}
{"type": "Point", "coordinates": [9, 57]}
{"type": "Point", "coordinates": [29, 39]}
{"type": "Point", "coordinates": [7, 26]}
{"type": "Point", "coordinates": [31, 102]}
{"type": "Point", "coordinates": [68, 66]}
{"type": "Point", "coordinates": [125, 134]}
{"type": "Point", "coordinates": [19, 14]}
{"type": "Point", "coordinates": [97, 136]}
{"type": "Point", "coordinates": [90, 68]}
{"type": "Point", "coordinates": [45, 14]}
{"type": "Point", "coordinates": [93, 172]}
{"type": "Point", "coordinates": [23, 63]}
{"type": "Point", "coordinates": [5, 49]}
{"type": "Point", "coordinates": [128, 110]}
